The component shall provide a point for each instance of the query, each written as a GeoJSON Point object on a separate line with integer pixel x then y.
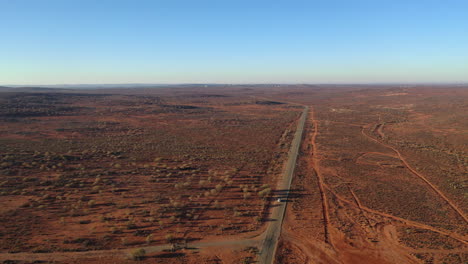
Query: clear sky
{"type": "Point", "coordinates": [233, 41]}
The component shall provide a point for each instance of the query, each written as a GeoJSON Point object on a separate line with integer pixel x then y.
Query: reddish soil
{"type": "Point", "coordinates": [105, 172]}
{"type": "Point", "coordinates": [89, 177]}
{"type": "Point", "coordinates": [365, 198]}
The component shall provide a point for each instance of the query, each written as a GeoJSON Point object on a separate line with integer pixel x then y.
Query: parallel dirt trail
{"type": "Point", "coordinates": [316, 168]}
{"type": "Point", "coordinates": [422, 177]}
{"type": "Point", "coordinates": [360, 247]}
{"type": "Point", "coordinates": [331, 251]}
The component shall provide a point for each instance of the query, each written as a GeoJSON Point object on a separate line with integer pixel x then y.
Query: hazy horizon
{"type": "Point", "coordinates": [230, 84]}
{"type": "Point", "coordinates": [56, 42]}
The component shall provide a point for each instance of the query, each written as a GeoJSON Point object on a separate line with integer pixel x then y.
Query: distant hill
{"type": "Point", "coordinates": [30, 89]}
{"type": "Point", "coordinates": [6, 89]}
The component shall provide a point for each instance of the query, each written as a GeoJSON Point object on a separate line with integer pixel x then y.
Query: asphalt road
{"type": "Point", "coordinates": [270, 242]}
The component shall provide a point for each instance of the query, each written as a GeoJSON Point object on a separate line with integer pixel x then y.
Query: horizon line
{"type": "Point", "coordinates": [233, 84]}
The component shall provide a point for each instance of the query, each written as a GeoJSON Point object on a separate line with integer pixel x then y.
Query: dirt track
{"type": "Point", "coordinates": [365, 222]}
{"type": "Point", "coordinates": [333, 247]}
{"type": "Point", "coordinates": [316, 168]}
{"type": "Point", "coordinates": [402, 220]}
{"type": "Point", "coordinates": [422, 177]}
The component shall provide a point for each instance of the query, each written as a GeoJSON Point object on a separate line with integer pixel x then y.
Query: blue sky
{"type": "Point", "coordinates": [236, 41]}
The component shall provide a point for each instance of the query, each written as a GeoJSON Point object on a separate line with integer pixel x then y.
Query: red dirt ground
{"type": "Point", "coordinates": [366, 193]}
{"type": "Point", "coordinates": [381, 177]}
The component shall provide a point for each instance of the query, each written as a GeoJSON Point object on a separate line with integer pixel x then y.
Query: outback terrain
{"type": "Point", "coordinates": [382, 175]}
{"type": "Point", "coordinates": [234, 174]}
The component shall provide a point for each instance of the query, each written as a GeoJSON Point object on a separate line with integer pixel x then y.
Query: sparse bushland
{"type": "Point", "coordinates": [130, 167]}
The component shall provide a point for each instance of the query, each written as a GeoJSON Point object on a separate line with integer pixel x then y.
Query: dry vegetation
{"type": "Point", "coordinates": [132, 169]}
{"type": "Point", "coordinates": [393, 162]}
{"type": "Point", "coordinates": [96, 170]}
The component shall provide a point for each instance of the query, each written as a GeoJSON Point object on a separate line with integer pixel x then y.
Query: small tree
{"type": "Point", "coordinates": [91, 203]}
{"type": "Point", "coordinates": [169, 238]}
{"type": "Point", "coordinates": [149, 239]}
{"type": "Point", "coordinates": [139, 254]}
{"type": "Point", "coordinates": [264, 193]}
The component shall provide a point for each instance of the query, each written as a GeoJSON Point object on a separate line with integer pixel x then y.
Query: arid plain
{"type": "Point", "coordinates": [194, 174]}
